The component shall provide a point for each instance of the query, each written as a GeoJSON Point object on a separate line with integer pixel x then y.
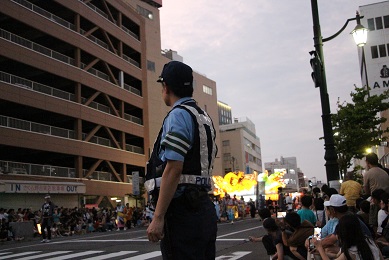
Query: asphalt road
{"type": "Point", "coordinates": [133, 244]}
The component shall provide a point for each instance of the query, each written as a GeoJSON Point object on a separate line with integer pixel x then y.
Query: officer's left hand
{"type": "Point", "coordinates": [155, 230]}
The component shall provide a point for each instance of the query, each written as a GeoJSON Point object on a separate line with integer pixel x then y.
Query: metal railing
{"type": "Point", "coordinates": [132, 61]}
{"type": "Point", "coordinates": [31, 85]}
{"type": "Point", "coordinates": [95, 39]}
{"type": "Point", "coordinates": [60, 21]}
{"type": "Point", "coordinates": [8, 167]}
{"type": "Point", "coordinates": [45, 13]}
{"type": "Point", "coordinates": [103, 14]}
{"type": "Point", "coordinates": [56, 55]}
{"type": "Point", "coordinates": [16, 123]}
{"type": "Point", "coordinates": [36, 47]}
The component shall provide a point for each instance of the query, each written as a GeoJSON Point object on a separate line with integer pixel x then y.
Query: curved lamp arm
{"type": "Point", "coordinates": [341, 29]}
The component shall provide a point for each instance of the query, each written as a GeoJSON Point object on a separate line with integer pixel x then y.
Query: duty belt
{"type": "Point", "coordinates": [199, 180]}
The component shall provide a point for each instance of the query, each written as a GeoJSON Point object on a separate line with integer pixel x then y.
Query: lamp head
{"type": "Point", "coordinates": [360, 35]}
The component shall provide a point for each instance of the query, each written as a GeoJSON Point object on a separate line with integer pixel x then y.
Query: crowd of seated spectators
{"type": "Point", "coordinates": [68, 221]}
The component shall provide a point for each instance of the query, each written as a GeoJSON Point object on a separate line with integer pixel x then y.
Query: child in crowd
{"type": "Point", "coordinates": [305, 212]}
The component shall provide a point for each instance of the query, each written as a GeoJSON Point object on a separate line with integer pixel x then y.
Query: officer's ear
{"type": "Point", "coordinates": [168, 90]}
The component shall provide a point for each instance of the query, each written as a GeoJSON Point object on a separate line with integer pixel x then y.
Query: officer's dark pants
{"type": "Point", "coordinates": [46, 224]}
{"type": "Point", "coordinates": [190, 234]}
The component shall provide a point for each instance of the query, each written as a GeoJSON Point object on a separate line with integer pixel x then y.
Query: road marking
{"type": "Point", "coordinates": [237, 232]}
{"type": "Point", "coordinates": [105, 255]}
{"type": "Point", "coordinates": [20, 254]}
{"type": "Point", "coordinates": [44, 255]}
{"type": "Point", "coordinates": [105, 240]}
{"type": "Point", "coordinates": [137, 240]}
{"type": "Point", "coordinates": [145, 256]}
{"type": "Point", "coordinates": [111, 255]}
{"type": "Point", "coordinates": [234, 256]}
{"type": "Point", "coordinates": [75, 255]}
{"type": "Point", "coordinates": [230, 239]}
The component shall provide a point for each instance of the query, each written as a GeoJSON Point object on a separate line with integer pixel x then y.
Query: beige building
{"type": "Point", "coordinates": [80, 106]}
{"type": "Point", "coordinates": [241, 148]}
{"type": "Point", "coordinates": [287, 165]}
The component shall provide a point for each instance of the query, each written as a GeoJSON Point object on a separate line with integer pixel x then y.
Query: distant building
{"type": "Point", "coordinates": [376, 19]}
{"type": "Point", "coordinates": [224, 111]}
{"type": "Point", "coordinates": [289, 166]}
{"type": "Point", "coordinates": [241, 148]}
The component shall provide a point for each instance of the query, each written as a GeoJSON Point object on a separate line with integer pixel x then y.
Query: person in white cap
{"type": "Point", "coordinates": [47, 218]}
{"type": "Point", "coordinates": [338, 207]}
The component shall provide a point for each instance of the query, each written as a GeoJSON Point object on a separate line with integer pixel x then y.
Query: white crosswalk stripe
{"type": "Point", "coordinates": [234, 256]}
{"type": "Point", "coordinates": [145, 256]}
{"type": "Point", "coordinates": [101, 257]}
{"type": "Point", "coordinates": [75, 255]}
{"type": "Point", "coordinates": [61, 255]}
{"type": "Point", "coordinates": [40, 256]}
{"type": "Point", "coordinates": [20, 254]}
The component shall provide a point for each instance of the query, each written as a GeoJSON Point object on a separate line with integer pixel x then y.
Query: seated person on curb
{"type": "Point", "coordinates": [364, 209]}
{"type": "Point", "coordinates": [329, 227]}
{"type": "Point", "coordinates": [354, 244]}
{"type": "Point", "coordinates": [305, 212]}
{"type": "Point", "coordinates": [273, 241]}
{"type": "Point", "coordinates": [267, 242]}
{"type": "Point", "coordinates": [337, 208]}
{"type": "Point", "coordinates": [300, 232]}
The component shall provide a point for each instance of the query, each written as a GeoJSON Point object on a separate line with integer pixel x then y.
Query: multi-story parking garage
{"type": "Point", "coordinates": [73, 118]}
{"type": "Point", "coordinates": [79, 102]}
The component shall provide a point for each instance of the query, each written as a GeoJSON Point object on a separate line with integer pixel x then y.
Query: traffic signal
{"type": "Point", "coordinates": [317, 68]}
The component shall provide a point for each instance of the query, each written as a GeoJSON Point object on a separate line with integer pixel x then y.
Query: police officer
{"type": "Point", "coordinates": [179, 171]}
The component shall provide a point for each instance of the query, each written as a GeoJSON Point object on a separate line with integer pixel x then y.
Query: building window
{"type": "Point", "coordinates": [386, 21]}
{"type": "Point", "coordinates": [374, 52]}
{"type": "Point", "coordinates": [227, 157]}
{"type": "Point", "coordinates": [207, 90]}
{"type": "Point", "coordinates": [370, 24]}
{"type": "Point", "coordinates": [151, 66]}
{"type": "Point", "coordinates": [378, 23]}
{"type": "Point", "coordinates": [226, 143]}
{"type": "Point", "coordinates": [382, 49]}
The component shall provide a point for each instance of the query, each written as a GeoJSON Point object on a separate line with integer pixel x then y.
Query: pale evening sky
{"type": "Point", "coordinates": [257, 53]}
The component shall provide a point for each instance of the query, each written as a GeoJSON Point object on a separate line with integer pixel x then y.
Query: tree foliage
{"type": "Point", "coordinates": [357, 125]}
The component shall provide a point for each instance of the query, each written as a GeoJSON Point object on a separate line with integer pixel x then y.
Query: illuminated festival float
{"type": "Point", "coordinates": [235, 182]}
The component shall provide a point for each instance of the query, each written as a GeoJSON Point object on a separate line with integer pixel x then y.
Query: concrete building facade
{"type": "Point", "coordinates": [241, 148]}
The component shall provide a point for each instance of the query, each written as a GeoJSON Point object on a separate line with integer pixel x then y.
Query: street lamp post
{"type": "Point", "coordinates": [360, 37]}
{"type": "Point", "coordinates": [319, 77]}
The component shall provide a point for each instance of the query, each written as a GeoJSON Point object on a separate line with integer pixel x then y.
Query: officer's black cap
{"type": "Point", "coordinates": [177, 74]}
